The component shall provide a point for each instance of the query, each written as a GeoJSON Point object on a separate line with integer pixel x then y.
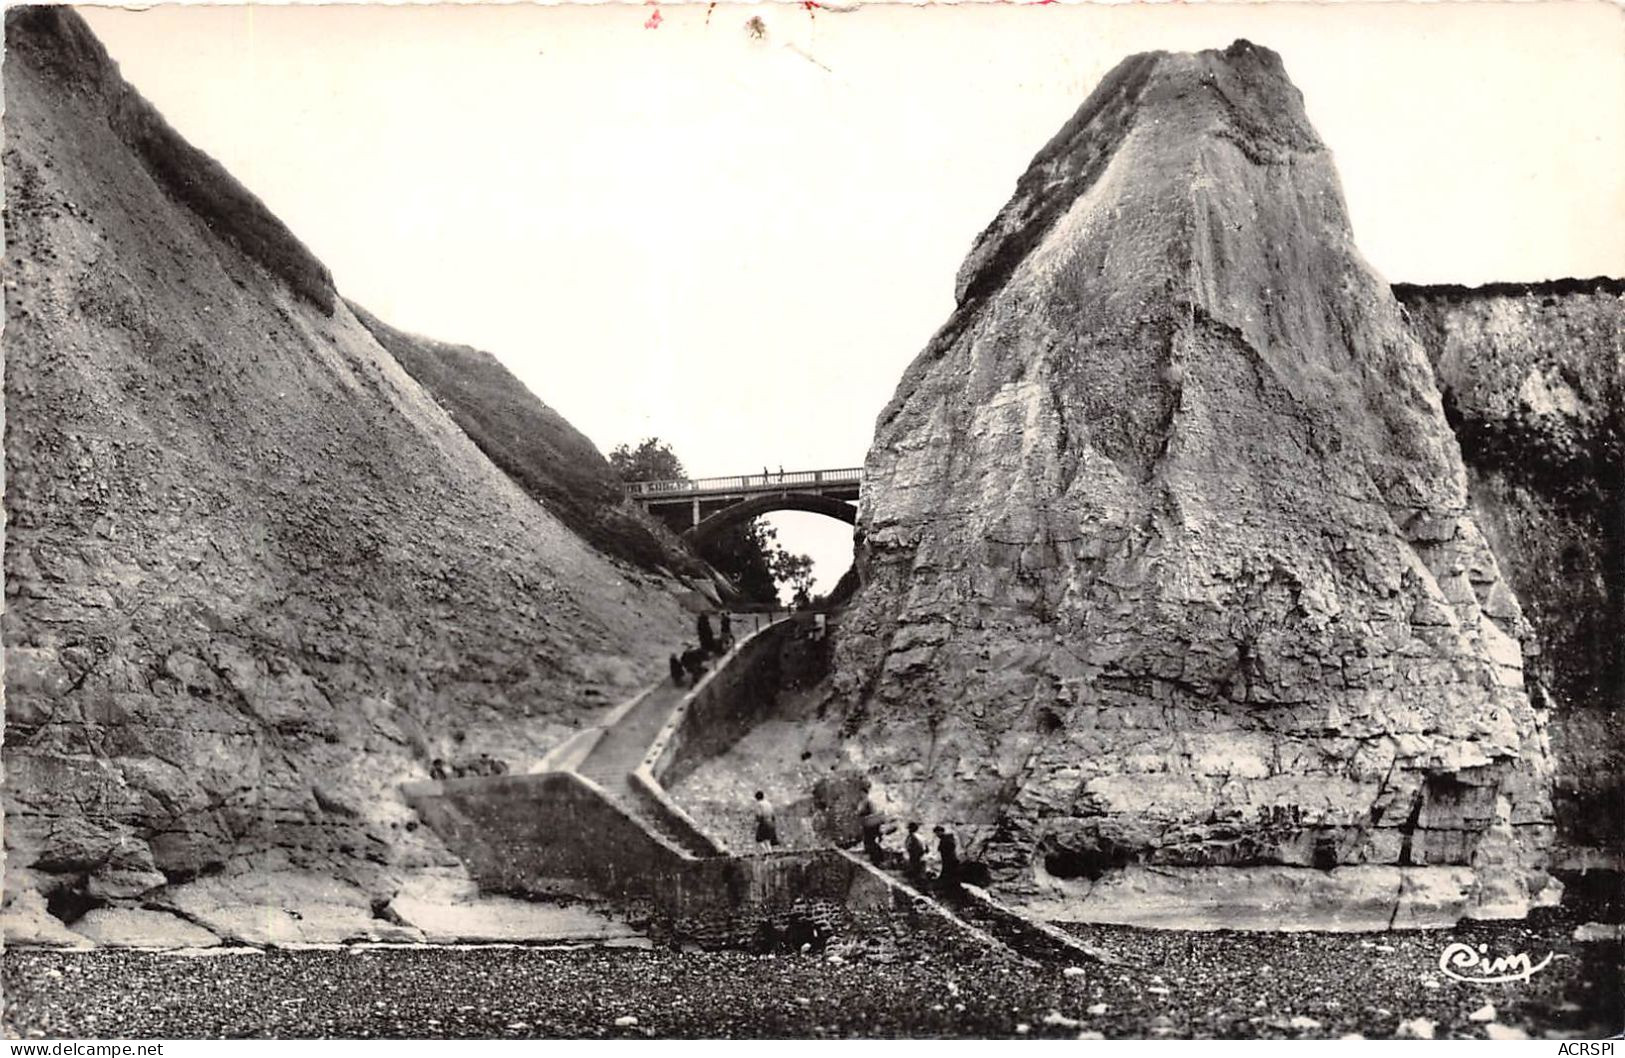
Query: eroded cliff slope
{"type": "Point", "coordinates": [1533, 380]}
{"type": "Point", "coordinates": [255, 576]}
{"type": "Point", "coordinates": [1166, 541]}
{"type": "Point", "coordinates": [550, 459]}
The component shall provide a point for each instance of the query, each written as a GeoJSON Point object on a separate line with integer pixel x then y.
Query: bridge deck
{"type": "Point", "coordinates": [846, 481]}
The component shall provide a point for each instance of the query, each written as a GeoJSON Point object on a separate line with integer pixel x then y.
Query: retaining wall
{"type": "Point", "coordinates": [558, 832]}
{"type": "Point", "coordinates": [755, 901]}
{"type": "Point", "coordinates": [542, 834]}
{"type": "Point", "coordinates": [792, 897]}
{"type": "Point", "coordinates": [726, 704]}
{"type": "Point", "coordinates": [656, 801]}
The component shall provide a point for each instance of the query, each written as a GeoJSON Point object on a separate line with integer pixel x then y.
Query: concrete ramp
{"type": "Point", "coordinates": [602, 825]}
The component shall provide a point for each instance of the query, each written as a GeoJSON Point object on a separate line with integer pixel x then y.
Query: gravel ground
{"type": "Point", "coordinates": [1180, 984]}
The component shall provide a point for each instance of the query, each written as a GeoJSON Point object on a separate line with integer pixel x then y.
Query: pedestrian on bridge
{"type": "Point", "coordinates": [708, 640]}
{"type": "Point", "coordinates": [767, 827]}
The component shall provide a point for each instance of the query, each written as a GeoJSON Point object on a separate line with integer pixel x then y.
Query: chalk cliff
{"type": "Point", "coordinates": [1168, 557]}
{"type": "Point", "coordinates": [1533, 381]}
{"type": "Point", "coordinates": [255, 575]}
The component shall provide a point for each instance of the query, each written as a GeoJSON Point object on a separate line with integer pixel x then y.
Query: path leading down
{"type": "Point", "coordinates": [627, 741]}
{"type": "Point", "coordinates": [698, 887]}
{"type": "Point", "coordinates": [618, 753]}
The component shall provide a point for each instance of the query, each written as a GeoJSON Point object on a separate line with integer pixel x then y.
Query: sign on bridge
{"type": "Point", "coordinates": [815, 481]}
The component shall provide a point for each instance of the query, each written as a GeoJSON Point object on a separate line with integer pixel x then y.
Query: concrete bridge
{"type": "Point", "coordinates": [696, 508]}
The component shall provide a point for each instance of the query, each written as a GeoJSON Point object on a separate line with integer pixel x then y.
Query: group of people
{"type": "Point", "coordinates": [688, 666]}
{"type": "Point", "coordinates": [484, 764]}
{"type": "Point", "coordinates": [914, 848]}
{"type": "Point", "coordinates": [874, 825]}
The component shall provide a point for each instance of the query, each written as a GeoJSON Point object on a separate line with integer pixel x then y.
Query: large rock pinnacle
{"type": "Point", "coordinates": [1166, 544]}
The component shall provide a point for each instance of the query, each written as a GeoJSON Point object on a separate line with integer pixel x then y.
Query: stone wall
{"type": "Point", "coordinates": [654, 799]}
{"type": "Point", "coordinates": [786, 656]}
{"type": "Point", "coordinates": [792, 897]}
{"type": "Point", "coordinates": [744, 901]}
{"type": "Point", "coordinates": [557, 834]}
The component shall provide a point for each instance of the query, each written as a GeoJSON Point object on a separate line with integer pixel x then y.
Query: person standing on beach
{"type": "Point", "coordinates": [767, 827]}
{"type": "Point", "coordinates": [948, 849]}
{"type": "Point", "coordinates": [872, 821]}
{"type": "Point", "coordinates": [915, 848]}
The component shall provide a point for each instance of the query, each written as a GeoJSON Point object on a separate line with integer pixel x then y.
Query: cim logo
{"type": "Point", "coordinates": [1463, 962]}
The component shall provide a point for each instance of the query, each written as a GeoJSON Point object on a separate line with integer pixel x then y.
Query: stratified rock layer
{"type": "Point", "coordinates": [255, 576]}
{"type": "Point", "coordinates": [1533, 380]}
{"type": "Point", "coordinates": [1166, 542]}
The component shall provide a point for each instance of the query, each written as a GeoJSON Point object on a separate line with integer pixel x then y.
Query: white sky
{"type": "Point", "coordinates": [737, 245]}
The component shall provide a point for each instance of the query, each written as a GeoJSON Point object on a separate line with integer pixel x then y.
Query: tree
{"type": "Point", "coordinates": [747, 554]}
{"type": "Point", "coordinates": [796, 571]}
{"type": "Point", "coordinates": [744, 554]}
{"type": "Point", "coordinates": [651, 460]}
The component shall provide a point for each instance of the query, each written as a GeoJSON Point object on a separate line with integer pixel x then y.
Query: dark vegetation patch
{"type": "Point", "coordinates": [534, 445]}
{"type": "Point", "coordinates": [1066, 167]}
{"type": "Point", "coordinates": [1409, 292]}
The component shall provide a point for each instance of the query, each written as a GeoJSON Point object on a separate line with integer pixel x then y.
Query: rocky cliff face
{"type": "Point", "coordinates": [550, 459]}
{"type": "Point", "coordinates": [255, 576]}
{"type": "Point", "coordinates": [1167, 547]}
{"type": "Point", "coordinates": [1533, 381]}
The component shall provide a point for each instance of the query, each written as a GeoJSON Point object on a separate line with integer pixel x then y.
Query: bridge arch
{"type": "Point", "coordinates": [702, 533]}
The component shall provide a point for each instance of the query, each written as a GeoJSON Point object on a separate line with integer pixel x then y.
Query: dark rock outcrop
{"type": "Point", "coordinates": [1167, 551]}
{"type": "Point", "coordinates": [255, 576]}
{"type": "Point", "coordinates": [1533, 380]}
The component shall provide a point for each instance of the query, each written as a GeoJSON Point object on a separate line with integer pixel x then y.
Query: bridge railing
{"type": "Point", "coordinates": [747, 482]}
